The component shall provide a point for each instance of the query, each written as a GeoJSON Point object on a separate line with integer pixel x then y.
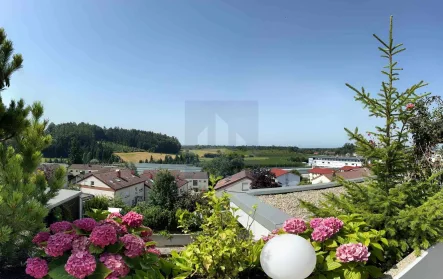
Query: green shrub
{"type": "Point", "coordinates": [220, 250]}
{"type": "Point", "coordinates": [97, 202]}
{"type": "Point", "coordinates": [156, 217]}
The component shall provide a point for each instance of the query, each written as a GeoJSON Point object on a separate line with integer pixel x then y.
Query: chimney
{"type": "Point", "coordinates": [118, 173]}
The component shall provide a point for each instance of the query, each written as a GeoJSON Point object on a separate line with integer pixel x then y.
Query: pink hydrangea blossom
{"type": "Point", "coordinates": [62, 226]}
{"type": "Point", "coordinates": [80, 244]}
{"type": "Point", "coordinates": [154, 251]}
{"type": "Point", "coordinates": [333, 223]}
{"type": "Point", "coordinates": [86, 224]}
{"type": "Point", "coordinates": [134, 245]}
{"type": "Point", "coordinates": [36, 267]}
{"type": "Point", "coordinates": [114, 215]}
{"type": "Point", "coordinates": [352, 252]}
{"type": "Point", "coordinates": [294, 225]}
{"type": "Point", "coordinates": [120, 229]}
{"type": "Point", "coordinates": [322, 233]}
{"type": "Point", "coordinates": [266, 238]}
{"type": "Point", "coordinates": [132, 219]}
{"type": "Point", "coordinates": [147, 232]}
{"type": "Point", "coordinates": [115, 263]}
{"type": "Point", "coordinates": [103, 235]}
{"type": "Point", "coordinates": [58, 244]}
{"type": "Point", "coordinates": [41, 237]}
{"type": "Point", "coordinates": [315, 222]}
{"type": "Point", "coordinates": [80, 264]}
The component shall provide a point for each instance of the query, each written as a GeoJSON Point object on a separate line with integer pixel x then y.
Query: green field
{"type": "Point", "coordinates": [259, 157]}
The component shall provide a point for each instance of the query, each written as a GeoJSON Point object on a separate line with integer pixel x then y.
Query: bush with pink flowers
{"type": "Point", "coordinates": [345, 246]}
{"type": "Point", "coordinates": [111, 246]}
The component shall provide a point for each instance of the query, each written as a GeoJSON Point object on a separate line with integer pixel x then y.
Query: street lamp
{"type": "Point", "coordinates": [288, 256]}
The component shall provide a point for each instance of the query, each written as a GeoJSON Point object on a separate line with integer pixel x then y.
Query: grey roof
{"type": "Point", "coordinates": [194, 175]}
{"type": "Point", "coordinates": [63, 196]}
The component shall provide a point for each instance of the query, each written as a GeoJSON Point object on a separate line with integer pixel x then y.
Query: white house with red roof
{"type": "Point", "coordinates": [317, 172]}
{"type": "Point", "coordinates": [286, 178]}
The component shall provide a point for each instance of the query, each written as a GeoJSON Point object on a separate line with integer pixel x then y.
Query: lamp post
{"type": "Point", "coordinates": [288, 256]}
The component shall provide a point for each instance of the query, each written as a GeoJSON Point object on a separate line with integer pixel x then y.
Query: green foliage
{"type": "Point", "coordinates": [263, 178]}
{"type": "Point", "coordinates": [75, 156]}
{"type": "Point", "coordinates": [225, 165]}
{"type": "Point", "coordinates": [214, 179]}
{"type": "Point", "coordinates": [157, 217]}
{"type": "Point", "coordinates": [221, 249]}
{"type": "Point", "coordinates": [97, 202]}
{"type": "Point", "coordinates": [395, 192]}
{"type": "Point", "coordinates": [98, 214]}
{"type": "Point", "coordinates": [164, 193]}
{"type": "Point", "coordinates": [24, 192]}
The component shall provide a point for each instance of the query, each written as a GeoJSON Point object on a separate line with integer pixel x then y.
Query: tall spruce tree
{"type": "Point", "coordinates": [393, 191]}
{"type": "Point", "coordinates": [24, 192]}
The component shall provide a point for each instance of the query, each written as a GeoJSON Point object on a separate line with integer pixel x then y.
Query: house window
{"type": "Point", "coordinates": [195, 190]}
{"type": "Point", "coordinates": [194, 182]}
{"type": "Point", "coordinates": [92, 183]}
{"type": "Point", "coordinates": [245, 186]}
{"type": "Point", "coordinates": [89, 171]}
{"type": "Point", "coordinates": [199, 181]}
{"type": "Point", "coordinates": [346, 164]}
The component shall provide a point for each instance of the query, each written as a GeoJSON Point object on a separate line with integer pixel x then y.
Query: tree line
{"type": "Point", "coordinates": [84, 142]}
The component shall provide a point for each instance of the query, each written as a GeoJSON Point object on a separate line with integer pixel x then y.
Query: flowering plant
{"type": "Point", "coordinates": [345, 246]}
{"type": "Point", "coordinates": [111, 246]}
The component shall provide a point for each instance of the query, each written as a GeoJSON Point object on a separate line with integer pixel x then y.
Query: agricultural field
{"type": "Point", "coordinates": [259, 157]}
{"type": "Point", "coordinates": [135, 157]}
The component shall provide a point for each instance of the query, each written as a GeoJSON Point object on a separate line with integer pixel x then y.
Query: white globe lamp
{"type": "Point", "coordinates": [288, 256]}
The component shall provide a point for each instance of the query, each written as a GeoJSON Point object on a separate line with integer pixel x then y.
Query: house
{"type": "Point", "coordinates": [317, 172]}
{"type": "Point", "coordinates": [77, 169]}
{"type": "Point", "coordinates": [183, 185]}
{"type": "Point", "coordinates": [239, 182]}
{"type": "Point", "coordinates": [198, 181]}
{"type": "Point", "coordinates": [115, 183]}
{"type": "Point", "coordinates": [347, 175]}
{"type": "Point", "coordinates": [286, 178]}
{"type": "Point", "coordinates": [335, 161]}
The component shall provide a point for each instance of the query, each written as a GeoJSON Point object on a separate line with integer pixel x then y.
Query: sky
{"type": "Point", "coordinates": [135, 64]}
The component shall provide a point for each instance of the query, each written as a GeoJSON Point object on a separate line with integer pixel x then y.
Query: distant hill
{"type": "Point", "coordinates": [94, 142]}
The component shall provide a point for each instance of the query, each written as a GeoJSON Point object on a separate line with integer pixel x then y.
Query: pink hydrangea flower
{"type": "Point", "coordinates": [266, 238]}
{"type": "Point", "coordinates": [352, 252]}
{"type": "Point", "coordinates": [36, 267]}
{"type": "Point", "coordinates": [147, 232]}
{"type": "Point", "coordinates": [80, 244]}
{"type": "Point", "coordinates": [134, 245]}
{"type": "Point", "coordinates": [103, 235]}
{"type": "Point", "coordinates": [41, 237]}
{"type": "Point", "coordinates": [315, 222]}
{"type": "Point", "coordinates": [86, 224]}
{"type": "Point", "coordinates": [62, 226]}
{"type": "Point", "coordinates": [294, 225]}
{"type": "Point", "coordinates": [154, 251]}
{"type": "Point", "coordinates": [334, 223]}
{"type": "Point", "coordinates": [132, 219]}
{"type": "Point", "coordinates": [58, 244]}
{"type": "Point", "coordinates": [120, 229]}
{"type": "Point", "coordinates": [115, 263]}
{"type": "Point", "coordinates": [80, 264]}
{"type": "Point", "coordinates": [322, 233]}
{"type": "Point", "coordinates": [146, 239]}
{"type": "Point", "coordinates": [114, 215]}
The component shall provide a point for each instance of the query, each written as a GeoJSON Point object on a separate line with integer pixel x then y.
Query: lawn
{"type": "Point", "coordinates": [135, 157]}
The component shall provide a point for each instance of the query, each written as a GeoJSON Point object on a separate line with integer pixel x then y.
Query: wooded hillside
{"type": "Point", "coordinates": [87, 140]}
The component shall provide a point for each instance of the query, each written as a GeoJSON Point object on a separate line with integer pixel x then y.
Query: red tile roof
{"type": "Point", "coordinates": [278, 172]}
{"type": "Point", "coordinates": [352, 174]}
{"type": "Point", "coordinates": [149, 175]}
{"type": "Point", "coordinates": [348, 168]}
{"type": "Point", "coordinates": [233, 179]}
{"type": "Point", "coordinates": [114, 181]}
{"type": "Point", "coordinates": [321, 171]}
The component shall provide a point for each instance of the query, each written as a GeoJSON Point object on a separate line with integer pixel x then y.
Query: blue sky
{"type": "Point", "coordinates": [133, 64]}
